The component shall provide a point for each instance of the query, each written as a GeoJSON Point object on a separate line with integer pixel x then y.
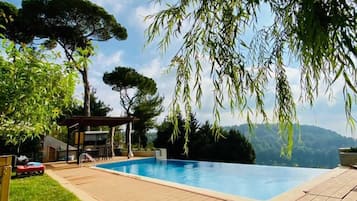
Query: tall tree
{"type": "Point", "coordinates": [33, 92]}
{"type": "Point", "coordinates": [131, 85]}
{"type": "Point", "coordinates": [136, 91]}
{"type": "Point", "coordinates": [320, 34]}
{"type": "Point", "coordinates": [72, 24]}
{"type": "Point", "coordinates": [146, 109]}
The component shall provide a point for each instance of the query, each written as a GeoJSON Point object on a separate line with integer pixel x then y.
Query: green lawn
{"type": "Point", "coordinates": [38, 188]}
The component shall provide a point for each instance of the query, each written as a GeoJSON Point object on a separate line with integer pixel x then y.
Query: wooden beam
{"type": "Point", "coordinates": [5, 160]}
{"type": "Point", "coordinates": [5, 176]}
{"type": "Point", "coordinates": [84, 121]}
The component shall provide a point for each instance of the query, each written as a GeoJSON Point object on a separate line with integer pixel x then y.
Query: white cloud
{"type": "Point", "coordinates": [153, 69]}
{"type": "Point", "coordinates": [112, 5]}
{"type": "Point", "coordinates": [142, 11]}
{"type": "Point", "coordinates": [165, 81]}
{"type": "Point", "coordinates": [109, 60]}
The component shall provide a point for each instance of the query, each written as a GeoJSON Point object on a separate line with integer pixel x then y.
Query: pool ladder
{"type": "Point", "coordinates": [85, 157]}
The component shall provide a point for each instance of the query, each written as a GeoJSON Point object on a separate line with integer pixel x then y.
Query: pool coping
{"type": "Point", "coordinates": [302, 189]}
{"type": "Point", "coordinates": [193, 189]}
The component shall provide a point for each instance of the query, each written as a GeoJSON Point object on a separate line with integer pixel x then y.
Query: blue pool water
{"type": "Point", "coordinates": [252, 181]}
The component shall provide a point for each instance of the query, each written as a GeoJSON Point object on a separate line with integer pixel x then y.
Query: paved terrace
{"type": "Point", "coordinates": [91, 184]}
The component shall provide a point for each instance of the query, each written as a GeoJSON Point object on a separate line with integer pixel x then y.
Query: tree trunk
{"type": "Point", "coordinates": [112, 132]}
{"type": "Point", "coordinates": [18, 149]}
{"type": "Point", "coordinates": [86, 103]}
{"type": "Point", "coordinates": [127, 127]}
{"type": "Point", "coordinates": [128, 134]}
{"type": "Point", "coordinates": [86, 87]}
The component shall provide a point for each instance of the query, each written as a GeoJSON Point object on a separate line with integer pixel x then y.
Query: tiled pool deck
{"type": "Point", "coordinates": [90, 184]}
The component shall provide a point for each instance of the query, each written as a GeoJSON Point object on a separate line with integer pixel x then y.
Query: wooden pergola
{"type": "Point", "coordinates": [80, 123]}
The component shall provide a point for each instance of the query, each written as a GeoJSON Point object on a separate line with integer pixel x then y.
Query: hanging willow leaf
{"type": "Point", "coordinates": [317, 33]}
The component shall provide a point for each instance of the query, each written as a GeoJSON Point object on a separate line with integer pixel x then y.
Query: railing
{"type": "Point", "coordinates": [85, 157]}
{"type": "Point", "coordinates": [5, 176]}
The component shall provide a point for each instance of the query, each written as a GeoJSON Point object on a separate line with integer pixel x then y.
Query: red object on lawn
{"type": "Point", "coordinates": [30, 168]}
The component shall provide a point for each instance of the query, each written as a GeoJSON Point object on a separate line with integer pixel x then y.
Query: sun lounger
{"type": "Point", "coordinates": [30, 168]}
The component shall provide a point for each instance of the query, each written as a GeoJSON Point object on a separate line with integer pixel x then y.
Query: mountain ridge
{"type": "Point", "coordinates": [313, 146]}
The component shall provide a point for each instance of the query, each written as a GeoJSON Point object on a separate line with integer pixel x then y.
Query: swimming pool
{"type": "Point", "coordinates": [252, 181]}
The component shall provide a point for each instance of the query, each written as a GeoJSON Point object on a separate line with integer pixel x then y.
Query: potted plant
{"type": "Point", "coordinates": [348, 156]}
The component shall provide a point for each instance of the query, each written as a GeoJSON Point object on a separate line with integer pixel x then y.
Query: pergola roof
{"type": "Point", "coordinates": [96, 121]}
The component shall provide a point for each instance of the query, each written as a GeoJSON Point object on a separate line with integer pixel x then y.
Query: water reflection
{"type": "Point", "coordinates": [253, 181]}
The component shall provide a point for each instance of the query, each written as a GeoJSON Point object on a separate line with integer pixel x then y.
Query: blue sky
{"type": "Point", "coordinates": [327, 112]}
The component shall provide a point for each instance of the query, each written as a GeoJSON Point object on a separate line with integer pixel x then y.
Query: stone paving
{"type": "Point", "coordinates": [340, 188]}
{"type": "Point", "coordinates": [106, 186]}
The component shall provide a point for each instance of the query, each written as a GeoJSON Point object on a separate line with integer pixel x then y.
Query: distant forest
{"type": "Point", "coordinates": [318, 147]}
{"type": "Point", "coordinates": [232, 147]}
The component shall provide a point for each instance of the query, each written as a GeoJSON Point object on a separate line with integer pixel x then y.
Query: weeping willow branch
{"type": "Point", "coordinates": [320, 34]}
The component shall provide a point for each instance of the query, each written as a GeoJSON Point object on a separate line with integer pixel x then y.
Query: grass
{"type": "Point", "coordinates": [38, 188]}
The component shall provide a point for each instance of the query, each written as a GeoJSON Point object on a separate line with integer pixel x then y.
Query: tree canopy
{"type": "Point", "coordinates": [73, 24]}
{"type": "Point", "coordinates": [8, 12]}
{"type": "Point", "coordinates": [319, 34]}
{"type": "Point", "coordinates": [146, 109]}
{"type": "Point", "coordinates": [33, 92]}
{"type": "Point", "coordinates": [138, 98]}
{"type": "Point", "coordinates": [124, 79]}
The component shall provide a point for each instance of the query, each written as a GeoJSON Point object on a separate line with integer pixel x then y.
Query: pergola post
{"type": "Point", "coordinates": [128, 130]}
{"type": "Point", "coordinates": [67, 149]}
{"type": "Point", "coordinates": [81, 129]}
{"type": "Point", "coordinates": [70, 129]}
{"type": "Point", "coordinates": [112, 133]}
